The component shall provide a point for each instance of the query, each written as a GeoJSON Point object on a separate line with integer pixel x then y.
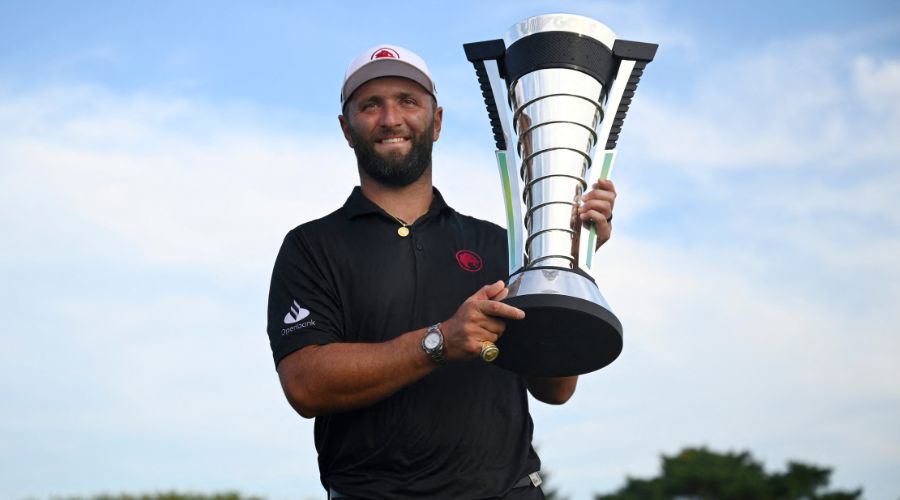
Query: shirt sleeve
{"type": "Point", "coordinates": [304, 308]}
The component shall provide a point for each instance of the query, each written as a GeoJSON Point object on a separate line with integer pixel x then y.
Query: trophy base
{"type": "Point", "coordinates": [568, 327]}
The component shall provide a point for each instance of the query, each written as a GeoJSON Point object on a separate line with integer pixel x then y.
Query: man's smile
{"type": "Point", "coordinates": [393, 145]}
{"type": "Point", "coordinates": [393, 140]}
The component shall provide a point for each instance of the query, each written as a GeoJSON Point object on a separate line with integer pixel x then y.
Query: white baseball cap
{"type": "Point", "coordinates": [386, 60]}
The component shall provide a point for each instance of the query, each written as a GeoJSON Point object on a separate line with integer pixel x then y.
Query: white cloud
{"type": "Point", "coordinates": [791, 103]}
{"type": "Point", "coordinates": [162, 181]}
{"type": "Point", "coordinates": [877, 82]}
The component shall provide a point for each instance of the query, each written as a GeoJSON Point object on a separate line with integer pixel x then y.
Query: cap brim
{"type": "Point", "coordinates": [379, 68]}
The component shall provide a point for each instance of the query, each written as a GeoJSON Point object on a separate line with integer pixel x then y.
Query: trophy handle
{"type": "Point", "coordinates": [588, 236]}
{"type": "Point", "coordinates": [487, 58]}
{"type": "Point", "coordinates": [633, 58]}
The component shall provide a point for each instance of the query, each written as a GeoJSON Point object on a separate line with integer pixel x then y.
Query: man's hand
{"type": "Point", "coordinates": [479, 318]}
{"type": "Point", "coordinates": [597, 207]}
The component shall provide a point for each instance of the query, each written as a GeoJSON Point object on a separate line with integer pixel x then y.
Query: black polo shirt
{"type": "Point", "coordinates": [461, 432]}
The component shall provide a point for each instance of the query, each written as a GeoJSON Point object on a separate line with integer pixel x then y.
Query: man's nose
{"type": "Point", "coordinates": [390, 115]}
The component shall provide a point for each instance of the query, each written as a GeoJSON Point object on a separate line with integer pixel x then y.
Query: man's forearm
{"type": "Point", "coordinates": [343, 376]}
{"type": "Point", "coordinates": [322, 379]}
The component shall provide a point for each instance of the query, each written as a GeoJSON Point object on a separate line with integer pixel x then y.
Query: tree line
{"type": "Point", "coordinates": [694, 473]}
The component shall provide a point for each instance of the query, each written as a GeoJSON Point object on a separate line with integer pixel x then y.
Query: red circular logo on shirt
{"type": "Point", "coordinates": [469, 260]}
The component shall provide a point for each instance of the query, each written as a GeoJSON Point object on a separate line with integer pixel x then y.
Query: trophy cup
{"type": "Point", "coordinates": [568, 83]}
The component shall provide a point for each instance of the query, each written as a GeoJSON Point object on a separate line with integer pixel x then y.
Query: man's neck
{"type": "Point", "coordinates": [407, 203]}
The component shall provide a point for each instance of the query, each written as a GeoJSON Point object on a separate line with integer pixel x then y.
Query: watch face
{"type": "Point", "coordinates": [432, 340]}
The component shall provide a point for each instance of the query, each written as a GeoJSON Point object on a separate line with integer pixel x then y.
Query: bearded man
{"type": "Point", "coordinates": [380, 311]}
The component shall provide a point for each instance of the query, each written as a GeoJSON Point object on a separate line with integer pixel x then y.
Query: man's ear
{"type": "Point", "coordinates": [438, 119]}
{"type": "Point", "coordinates": [345, 128]}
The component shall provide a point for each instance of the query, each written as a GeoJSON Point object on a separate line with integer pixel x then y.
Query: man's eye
{"type": "Point", "coordinates": [409, 101]}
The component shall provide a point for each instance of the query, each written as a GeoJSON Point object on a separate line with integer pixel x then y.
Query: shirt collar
{"type": "Point", "coordinates": [357, 204]}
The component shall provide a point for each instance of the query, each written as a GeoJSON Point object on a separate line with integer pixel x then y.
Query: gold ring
{"type": "Point", "coordinates": [489, 351]}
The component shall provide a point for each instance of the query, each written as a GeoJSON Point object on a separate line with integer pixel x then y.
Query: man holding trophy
{"type": "Point", "coordinates": [385, 315]}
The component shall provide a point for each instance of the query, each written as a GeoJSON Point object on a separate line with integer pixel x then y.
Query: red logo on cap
{"type": "Point", "coordinates": [385, 52]}
{"type": "Point", "coordinates": [469, 260]}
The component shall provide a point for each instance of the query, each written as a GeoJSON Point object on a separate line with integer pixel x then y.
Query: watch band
{"type": "Point", "coordinates": [436, 353]}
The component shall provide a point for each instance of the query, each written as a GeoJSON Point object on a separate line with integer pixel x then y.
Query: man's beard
{"type": "Point", "coordinates": [396, 170]}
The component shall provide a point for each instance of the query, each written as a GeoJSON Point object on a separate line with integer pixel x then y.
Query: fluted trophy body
{"type": "Point", "coordinates": [549, 87]}
{"type": "Point", "coordinates": [556, 114]}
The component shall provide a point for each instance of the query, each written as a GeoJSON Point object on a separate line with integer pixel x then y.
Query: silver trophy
{"type": "Point", "coordinates": [568, 83]}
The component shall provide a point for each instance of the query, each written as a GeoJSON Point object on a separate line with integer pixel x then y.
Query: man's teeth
{"type": "Point", "coordinates": [393, 140]}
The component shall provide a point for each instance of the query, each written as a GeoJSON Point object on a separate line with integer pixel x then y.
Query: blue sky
{"type": "Point", "coordinates": [153, 154]}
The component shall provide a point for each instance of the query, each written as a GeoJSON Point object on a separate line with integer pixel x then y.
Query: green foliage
{"type": "Point", "coordinates": [168, 495]}
{"type": "Point", "coordinates": [701, 474]}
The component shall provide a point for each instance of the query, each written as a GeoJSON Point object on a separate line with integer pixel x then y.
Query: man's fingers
{"type": "Point", "coordinates": [487, 292]}
{"type": "Point", "coordinates": [500, 310]}
{"type": "Point", "coordinates": [602, 206]}
{"type": "Point", "coordinates": [594, 197]}
{"type": "Point", "coordinates": [597, 217]}
{"type": "Point", "coordinates": [493, 326]}
{"type": "Point", "coordinates": [602, 224]}
{"type": "Point", "coordinates": [498, 293]}
{"type": "Point", "coordinates": [602, 190]}
{"type": "Point", "coordinates": [604, 185]}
